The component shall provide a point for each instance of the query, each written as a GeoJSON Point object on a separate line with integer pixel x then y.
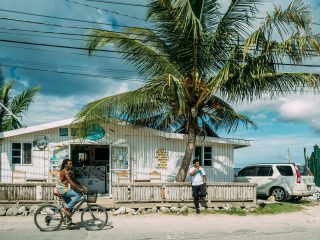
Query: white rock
{"type": "Point", "coordinates": [226, 207]}
{"type": "Point", "coordinates": [22, 209]}
{"type": "Point", "coordinates": [271, 198]}
{"type": "Point", "coordinates": [25, 213]}
{"type": "Point", "coordinates": [154, 209]}
{"type": "Point", "coordinates": [184, 210]}
{"type": "Point", "coordinates": [2, 211]}
{"type": "Point", "coordinates": [12, 212]}
{"type": "Point", "coordinates": [174, 209]}
{"type": "Point", "coordinates": [33, 209]}
{"type": "Point", "coordinates": [140, 210]}
{"type": "Point", "coordinates": [121, 210]}
{"type": "Point", "coordinates": [164, 210]}
{"type": "Point", "coordinates": [130, 210]}
{"type": "Point", "coordinates": [149, 210]}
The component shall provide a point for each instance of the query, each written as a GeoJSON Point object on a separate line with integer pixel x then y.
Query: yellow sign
{"type": "Point", "coordinates": [162, 156]}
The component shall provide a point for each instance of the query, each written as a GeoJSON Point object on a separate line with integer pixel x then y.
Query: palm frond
{"type": "Point", "coordinates": [21, 102]}
{"type": "Point", "coordinates": [221, 115]}
{"type": "Point", "coordinates": [144, 54]}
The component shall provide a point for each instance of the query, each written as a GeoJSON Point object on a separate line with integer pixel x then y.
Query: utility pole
{"type": "Point", "coordinates": [289, 157]}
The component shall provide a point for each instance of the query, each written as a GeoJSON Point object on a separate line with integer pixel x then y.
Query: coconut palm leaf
{"type": "Point", "coordinates": [17, 105]}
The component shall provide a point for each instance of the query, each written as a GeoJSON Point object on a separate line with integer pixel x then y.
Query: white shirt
{"type": "Point", "coordinates": [197, 178]}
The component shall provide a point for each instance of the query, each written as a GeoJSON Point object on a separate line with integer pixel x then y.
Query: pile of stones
{"type": "Point", "coordinates": [184, 210]}
{"type": "Point", "coordinates": [174, 210]}
{"type": "Point", "coordinates": [18, 210]}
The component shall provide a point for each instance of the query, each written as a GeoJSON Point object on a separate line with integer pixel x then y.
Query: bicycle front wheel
{"type": "Point", "coordinates": [94, 217]}
{"type": "Point", "coordinates": [48, 218]}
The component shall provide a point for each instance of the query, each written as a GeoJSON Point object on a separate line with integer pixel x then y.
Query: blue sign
{"type": "Point", "coordinates": [95, 132]}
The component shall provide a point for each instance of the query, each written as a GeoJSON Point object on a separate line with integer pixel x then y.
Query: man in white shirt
{"type": "Point", "coordinates": [198, 181]}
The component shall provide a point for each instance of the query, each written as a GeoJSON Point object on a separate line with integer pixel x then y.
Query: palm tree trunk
{"type": "Point", "coordinates": [183, 171]}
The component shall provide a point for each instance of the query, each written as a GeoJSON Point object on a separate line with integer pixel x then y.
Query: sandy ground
{"type": "Point", "coordinates": [300, 225]}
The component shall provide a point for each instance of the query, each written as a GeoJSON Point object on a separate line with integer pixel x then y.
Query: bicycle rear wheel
{"type": "Point", "coordinates": [48, 218]}
{"type": "Point", "coordinates": [94, 217]}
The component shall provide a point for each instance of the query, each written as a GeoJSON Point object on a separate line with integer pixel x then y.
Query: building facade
{"type": "Point", "coordinates": [110, 153]}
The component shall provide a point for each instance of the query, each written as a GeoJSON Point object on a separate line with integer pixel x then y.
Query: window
{"type": "Point", "coordinates": [63, 132]}
{"type": "Point", "coordinates": [285, 170]}
{"type": "Point", "coordinates": [248, 172]}
{"type": "Point", "coordinates": [265, 171]}
{"type": "Point", "coordinates": [304, 170]}
{"type": "Point", "coordinates": [21, 153]}
{"type": "Point", "coordinates": [74, 132]}
{"type": "Point", "coordinates": [204, 154]}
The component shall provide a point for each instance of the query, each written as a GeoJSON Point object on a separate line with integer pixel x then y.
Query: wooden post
{"type": "Point", "coordinates": [38, 192]}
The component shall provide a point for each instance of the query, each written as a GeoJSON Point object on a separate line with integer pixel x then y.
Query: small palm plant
{"type": "Point", "coordinates": [196, 59]}
{"type": "Point", "coordinates": [14, 106]}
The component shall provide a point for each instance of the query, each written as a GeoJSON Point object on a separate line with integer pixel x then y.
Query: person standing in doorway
{"type": "Point", "coordinates": [198, 181]}
{"type": "Point", "coordinates": [68, 187]}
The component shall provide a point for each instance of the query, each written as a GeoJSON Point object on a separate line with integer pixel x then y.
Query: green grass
{"type": "Point", "coordinates": [272, 208]}
{"type": "Point", "coordinates": [277, 208]}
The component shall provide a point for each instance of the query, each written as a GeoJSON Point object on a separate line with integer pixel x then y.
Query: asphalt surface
{"type": "Point", "coordinates": [293, 226]}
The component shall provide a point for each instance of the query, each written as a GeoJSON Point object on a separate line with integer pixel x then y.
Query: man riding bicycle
{"type": "Point", "coordinates": [68, 187]}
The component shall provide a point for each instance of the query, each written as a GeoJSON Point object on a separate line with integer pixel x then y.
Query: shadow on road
{"type": "Point", "coordinates": [79, 225]}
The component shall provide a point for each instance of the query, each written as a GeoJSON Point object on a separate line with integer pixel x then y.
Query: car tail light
{"type": "Point", "coordinates": [298, 174]}
{"type": "Point", "coordinates": [310, 173]}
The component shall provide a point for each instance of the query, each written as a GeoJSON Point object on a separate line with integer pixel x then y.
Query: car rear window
{"type": "Point", "coordinates": [265, 171]}
{"type": "Point", "coordinates": [304, 170]}
{"type": "Point", "coordinates": [248, 171]}
{"type": "Point", "coordinates": [285, 170]}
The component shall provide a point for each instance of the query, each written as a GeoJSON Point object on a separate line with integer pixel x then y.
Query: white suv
{"type": "Point", "coordinates": [283, 180]}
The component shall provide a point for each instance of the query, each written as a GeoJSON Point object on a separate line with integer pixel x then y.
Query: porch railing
{"type": "Point", "coordinates": [27, 191]}
{"type": "Point", "coordinates": [137, 192]}
{"type": "Point", "coordinates": [182, 192]}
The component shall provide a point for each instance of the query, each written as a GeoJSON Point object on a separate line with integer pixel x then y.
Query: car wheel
{"type": "Point", "coordinates": [279, 194]}
{"type": "Point", "coordinates": [295, 198]}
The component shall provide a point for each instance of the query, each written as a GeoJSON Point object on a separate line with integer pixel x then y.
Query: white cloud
{"type": "Point", "coordinates": [274, 148]}
{"type": "Point", "coordinates": [297, 108]}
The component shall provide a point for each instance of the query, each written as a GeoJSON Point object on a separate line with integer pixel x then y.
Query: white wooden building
{"type": "Point", "coordinates": [111, 153]}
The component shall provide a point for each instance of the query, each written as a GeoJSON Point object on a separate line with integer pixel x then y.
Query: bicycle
{"type": "Point", "coordinates": [49, 217]}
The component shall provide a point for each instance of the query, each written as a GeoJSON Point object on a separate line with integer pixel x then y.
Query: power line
{"type": "Point", "coordinates": [63, 46]}
{"type": "Point", "coordinates": [65, 66]}
{"type": "Point", "coordinates": [121, 79]}
{"type": "Point", "coordinates": [64, 18]}
{"type": "Point", "coordinates": [116, 51]}
{"type": "Point", "coordinates": [105, 10]}
{"type": "Point", "coordinates": [64, 33]}
{"type": "Point", "coordinates": [92, 22]}
{"type": "Point", "coordinates": [64, 26]}
{"type": "Point", "coordinates": [43, 36]}
{"type": "Point", "coordinates": [119, 3]}
{"type": "Point", "coordinates": [72, 73]}
{"type": "Point", "coordinates": [71, 27]}
{"type": "Point", "coordinates": [51, 51]}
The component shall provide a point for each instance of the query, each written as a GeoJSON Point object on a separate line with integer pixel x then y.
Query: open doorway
{"type": "Point", "coordinates": [91, 164]}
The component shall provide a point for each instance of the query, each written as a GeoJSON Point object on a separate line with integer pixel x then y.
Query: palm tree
{"type": "Point", "coordinates": [14, 106]}
{"type": "Point", "coordinates": [196, 58]}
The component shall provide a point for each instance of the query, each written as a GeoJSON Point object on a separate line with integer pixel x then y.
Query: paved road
{"type": "Point", "coordinates": [294, 226]}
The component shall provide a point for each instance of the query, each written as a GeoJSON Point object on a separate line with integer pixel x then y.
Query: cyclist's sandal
{"type": "Point", "coordinates": [67, 212]}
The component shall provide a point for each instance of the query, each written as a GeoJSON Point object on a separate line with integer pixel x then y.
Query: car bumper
{"type": "Point", "coordinates": [302, 193]}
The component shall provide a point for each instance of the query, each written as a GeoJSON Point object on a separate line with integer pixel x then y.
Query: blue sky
{"type": "Point", "coordinates": [290, 122]}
